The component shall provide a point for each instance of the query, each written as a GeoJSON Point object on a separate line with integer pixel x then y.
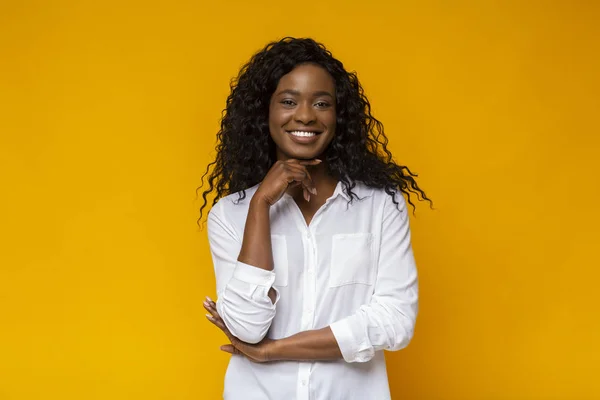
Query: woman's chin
{"type": "Point", "coordinates": [298, 155]}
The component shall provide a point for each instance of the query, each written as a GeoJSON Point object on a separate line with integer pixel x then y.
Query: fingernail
{"type": "Point", "coordinates": [316, 159]}
{"type": "Point", "coordinates": [209, 316]}
{"type": "Point", "coordinates": [209, 299]}
{"type": "Point", "coordinates": [206, 304]}
{"type": "Point", "coordinates": [314, 191]}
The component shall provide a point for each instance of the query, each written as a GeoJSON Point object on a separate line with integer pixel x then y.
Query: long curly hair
{"type": "Point", "coordinates": [246, 152]}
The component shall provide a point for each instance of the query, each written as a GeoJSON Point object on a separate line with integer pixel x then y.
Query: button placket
{"type": "Point", "coordinates": [309, 302]}
{"type": "Point", "coordinates": [309, 298]}
{"type": "Point", "coordinates": [302, 391]}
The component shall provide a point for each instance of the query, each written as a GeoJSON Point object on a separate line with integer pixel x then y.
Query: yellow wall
{"type": "Point", "coordinates": [107, 117]}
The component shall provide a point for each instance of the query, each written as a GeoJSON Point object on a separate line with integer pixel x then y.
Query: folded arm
{"type": "Point", "coordinates": [244, 272]}
{"type": "Point", "coordinates": [386, 322]}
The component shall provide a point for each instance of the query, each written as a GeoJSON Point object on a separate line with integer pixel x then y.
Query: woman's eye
{"type": "Point", "coordinates": [287, 102]}
{"type": "Point", "coordinates": [322, 104]}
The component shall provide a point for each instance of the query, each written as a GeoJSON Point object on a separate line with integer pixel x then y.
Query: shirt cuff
{"type": "Point", "coordinates": [343, 336]}
{"type": "Point", "coordinates": [353, 349]}
{"type": "Point", "coordinates": [253, 275]}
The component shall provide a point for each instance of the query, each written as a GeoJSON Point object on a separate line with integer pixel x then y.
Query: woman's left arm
{"type": "Point", "coordinates": [387, 322]}
{"type": "Point", "coordinates": [317, 344]}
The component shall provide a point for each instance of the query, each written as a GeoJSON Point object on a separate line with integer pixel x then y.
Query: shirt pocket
{"type": "Point", "coordinates": [352, 260]}
{"type": "Point", "coordinates": [280, 259]}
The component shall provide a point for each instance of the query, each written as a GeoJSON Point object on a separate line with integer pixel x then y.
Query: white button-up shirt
{"type": "Point", "coordinates": [352, 269]}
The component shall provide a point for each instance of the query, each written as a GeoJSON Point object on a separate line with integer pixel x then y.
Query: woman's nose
{"type": "Point", "coordinates": [305, 114]}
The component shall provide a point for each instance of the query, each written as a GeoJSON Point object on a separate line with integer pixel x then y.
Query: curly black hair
{"type": "Point", "coordinates": [246, 152]}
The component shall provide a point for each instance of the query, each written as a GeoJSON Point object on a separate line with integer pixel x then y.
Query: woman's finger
{"type": "Point", "coordinates": [213, 312]}
{"type": "Point", "coordinates": [219, 323]}
{"type": "Point", "coordinates": [216, 319]}
{"type": "Point", "coordinates": [301, 169]}
{"type": "Point", "coordinates": [207, 306]}
{"type": "Point", "coordinates": [212, 308]}
{"type": "Point", "coordinates": [210, 301]}
{"type": "Point", "coordinates": [231, 349]}
{"type": "Point", "coordinates": [214, 316]}
{"type": "Point", "coordinates": [307, 181]}
{"type": "Point", "coordinates": [295, 176]}
{"type": "Point", "coordinates": [301, 174]}
{"type": "Point", "coordinates": [316, 161]}
{"type": "Point", "coordinates": [309, 186]}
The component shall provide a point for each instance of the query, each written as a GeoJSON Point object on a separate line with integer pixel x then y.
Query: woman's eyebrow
{"type": "Point", "coordinates": [322, 93]}
{"type": "Point", "coordinates": [289, 91]}
{"type": "Point", "coordinates": [297, 93]}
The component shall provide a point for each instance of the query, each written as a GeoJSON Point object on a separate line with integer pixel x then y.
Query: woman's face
{"type": "Point", "coordinates": [302, 114]}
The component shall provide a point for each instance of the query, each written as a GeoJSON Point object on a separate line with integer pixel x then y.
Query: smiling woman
{"type": "Point", "coordinates": [309, 232]}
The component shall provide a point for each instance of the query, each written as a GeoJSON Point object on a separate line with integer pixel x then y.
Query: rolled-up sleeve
{"type": "Point", "coordinates": [387, 322]}
{"type": "Point", "coordinates": [242, 290]}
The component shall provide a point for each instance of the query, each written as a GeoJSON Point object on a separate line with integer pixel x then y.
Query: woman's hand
{"type": "Point", "coordinates": [284, 174]}
{"type": "Point", "coordinates": [259, 353]}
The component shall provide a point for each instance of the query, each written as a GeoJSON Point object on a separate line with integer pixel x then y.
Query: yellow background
{"type": "Point", "coordinates": [108, 115]}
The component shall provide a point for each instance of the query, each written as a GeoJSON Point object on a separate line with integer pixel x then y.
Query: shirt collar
{"type": "Point", "coordinates": [361, 190]}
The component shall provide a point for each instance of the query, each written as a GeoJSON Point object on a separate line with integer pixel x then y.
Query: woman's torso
{"type": "Point", "coordinates": [324, 272]}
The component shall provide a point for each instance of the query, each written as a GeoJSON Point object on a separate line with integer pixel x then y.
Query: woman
{"type": "Point", "coordinates": [309, 233]}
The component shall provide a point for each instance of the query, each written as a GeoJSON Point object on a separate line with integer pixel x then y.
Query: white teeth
{"type": "Point", "coordinates": [302, 133]}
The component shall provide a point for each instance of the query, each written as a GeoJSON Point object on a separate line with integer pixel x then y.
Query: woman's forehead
{"type": "Point", "coordinates": [307, 79]}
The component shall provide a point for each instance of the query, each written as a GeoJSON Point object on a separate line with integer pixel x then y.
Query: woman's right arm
{"type": "Point", "coordinates": [256, 246]}
{"type": "Point", "coordinates": [244, 289]}
{"type": "Point", "coordinates": [246, 297]}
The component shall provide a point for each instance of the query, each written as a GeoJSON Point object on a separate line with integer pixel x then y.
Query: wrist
{"type": "Point", "coordinates": [259, 202]}
{"type": "Point", "coordinates": [275, 351]}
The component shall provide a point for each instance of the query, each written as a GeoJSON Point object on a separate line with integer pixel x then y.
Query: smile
{"type": "Point", "coordinates": [303, 133]}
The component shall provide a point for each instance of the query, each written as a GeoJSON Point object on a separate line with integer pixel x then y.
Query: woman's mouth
{"type": "Point", "coordinates": [303, 133]}
{"type": "Point", "coordinates": [304, 137]}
